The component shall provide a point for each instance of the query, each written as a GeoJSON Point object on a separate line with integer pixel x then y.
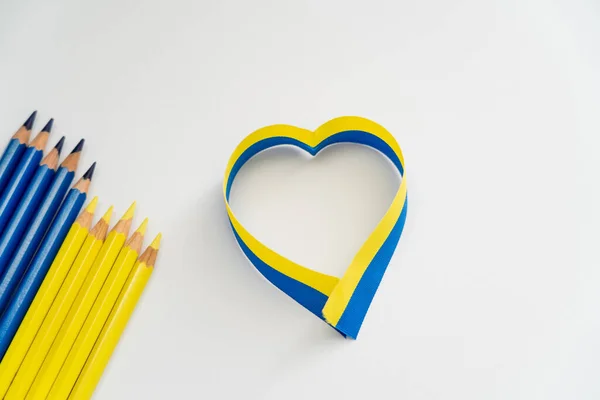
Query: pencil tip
{"type": "Point", "coordinates": [156, 242]}
{"type": "Point", "coordinates": [48, 127]}
{"type": "Point", "coordinates": [130, 211]}
{"type": "Point", "coordinates": [28, 124]}
{"type": "Point", "coordinates": [143, 227]}
{"type": "Point", "coordinates": [79, 146]}
{"type": "Point", "coordinates": [91, 208]}
{"type": "Point", "coordinates": [90, 172]}
{"type": "Point", "coordinates": [108, 214]}
{"type": "Point", "coordinates": [59, 145]}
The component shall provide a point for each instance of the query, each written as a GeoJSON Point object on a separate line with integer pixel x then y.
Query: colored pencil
{"type": "Point", "coordinates": [81, 307]}
{"type": "Point", "coordinates": [30, 345]}
{"type": "Point", "coordinates": [98, 314]}
{"type": "Point", "coordinates": [12, 235]}
{"type": "Point", "coordinates": [14, 151]}
{"type": "Point", "coordinates": [36, 230]}
{"type": "Point", "coordinates": [29, 163]}
{"type": "Point", "coordinates": [116, 323]}
{"type": "Point", "coordinates": [45, 297]}
{"type": "Point", "coordinates": [25, 290]}
{"type": "Point", "coordinates": [67, 290]}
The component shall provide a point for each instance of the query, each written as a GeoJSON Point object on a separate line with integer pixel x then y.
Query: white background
{"type": "Point", "coordinates": [493, 290]}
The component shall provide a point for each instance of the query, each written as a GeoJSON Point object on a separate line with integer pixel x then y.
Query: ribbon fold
{"type": "Point", "coordinates": [340, 302]}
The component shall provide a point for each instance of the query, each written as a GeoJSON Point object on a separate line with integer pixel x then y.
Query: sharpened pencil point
{"type": "Point", "coordinates": [91, 208]}
{"type": "Point", "coordinates": [130, 211]}
{"type": "Point", "coordinates": [90, 172]}
{"type": "Point", "coordinates": [48, 127]}
{"type": "Point", "coordinates": [59, 145]}
{"type": "Point", "coordinates": [79, 146]}
{"type": "Point", "coordinates": [143, 227]}
{"type": "Point", "coordinates": [28, 124]}
{"type": "Point", "coordinates": [108, 214]}
{"type": "Point", "coordinates": [156, 242]}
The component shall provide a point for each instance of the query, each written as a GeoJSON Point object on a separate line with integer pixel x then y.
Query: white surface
{"type": "Point", "coordinates": [493, 290]}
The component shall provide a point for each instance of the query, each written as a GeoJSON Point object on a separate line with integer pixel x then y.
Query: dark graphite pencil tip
{"type": "Point", "coordinates": [79, 146]}
{"type": "Point", "coordinates": [90, 172]}
{"type": "Point", "coordinates": [48, 127]}
{"type": "Point", "coordinates": [59, 145]}
{"type": "Point", "coordinates": [29, 123]}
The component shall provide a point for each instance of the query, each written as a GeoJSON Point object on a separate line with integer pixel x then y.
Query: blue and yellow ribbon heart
{"type": "Point", "coordinates": [341, 302]}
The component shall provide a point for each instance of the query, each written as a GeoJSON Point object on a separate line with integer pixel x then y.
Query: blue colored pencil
{"type": "Point", "coordinates": [12, 234]}
{"type": "Point", "coordinates": [30, 161]}
{"type": "Point", "coordinates": [33, 278]}
{"type": "Point", "coordinates": [35, 232]}
{"type": "Point", "coordinates": [14, 151]}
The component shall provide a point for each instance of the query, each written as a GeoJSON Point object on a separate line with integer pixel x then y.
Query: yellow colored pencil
{"type": "Point", "coordinates": [97, 317]}
{"type": "Point", "coordinates": [116, 323]}
{"type": "Point", "coordinates": [45, 296]}
{"type": "Point", "coordinates": [81, 307]}
{"type": "Point", "coordinates": [58, 311]}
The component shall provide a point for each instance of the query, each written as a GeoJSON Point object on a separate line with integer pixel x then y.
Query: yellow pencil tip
{"type": "Point", "coordinates": [91, 208]}
{"type": "Point", "coordinates": [108, 214]}
{"type": "Point", "coordinates": [156, 242]}
{"type": "Point", "coordinates": [130, 211]}
{"type": "Point", "coordinates": [142, 229]}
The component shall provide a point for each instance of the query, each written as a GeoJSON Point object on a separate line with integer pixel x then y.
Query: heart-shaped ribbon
{"type": "Point", "coordinates": [341, 302]}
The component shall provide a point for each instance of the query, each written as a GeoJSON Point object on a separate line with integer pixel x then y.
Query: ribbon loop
{"type": "Point", "coordinates": [341, 302]}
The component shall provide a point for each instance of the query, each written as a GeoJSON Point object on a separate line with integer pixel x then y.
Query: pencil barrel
{"type": "Point", "coordinates": [76, 316]}
{"type": "Point", "coordinates": [34, 234]}
{"type": "Point", "coordinates": [30, 346]}
{"type": "Point", "coordinates": [9, 161]}
{"type": "Point", "coordinates": [111, 333]}
{"type": "Point", "coordinates": [93, 324]}
{"type": "Point", "coordinates": [12, 235]}
{"type": "Point", "coordinates": [36, 272]}
{"type": "Point", "coordinates": [18, 184]}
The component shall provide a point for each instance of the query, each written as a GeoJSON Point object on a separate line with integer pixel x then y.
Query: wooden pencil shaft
{"type": "Point", "coordinates": [93, 324]}
{"type": "Point", "coordinates": [111, 333]}
{"type": "Point", "coordinates": [11, 236]}
{"type": "Point", "coordinates": [28, 286]}
{"type": "Point", "coordinates": [76, 316]}
{"type": "Point", "coordinates": [26, 356]}
{"type": "Point", "coordinates": [45, 265]}
{"type": "Point", "coordinates": [33, 236]}
{"type": "Point", "coordinates": [9, 161]}
{"type": "Point", "coordinates": [44, 298]}
{"type": "Point", "coordinates": [18, 183]}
